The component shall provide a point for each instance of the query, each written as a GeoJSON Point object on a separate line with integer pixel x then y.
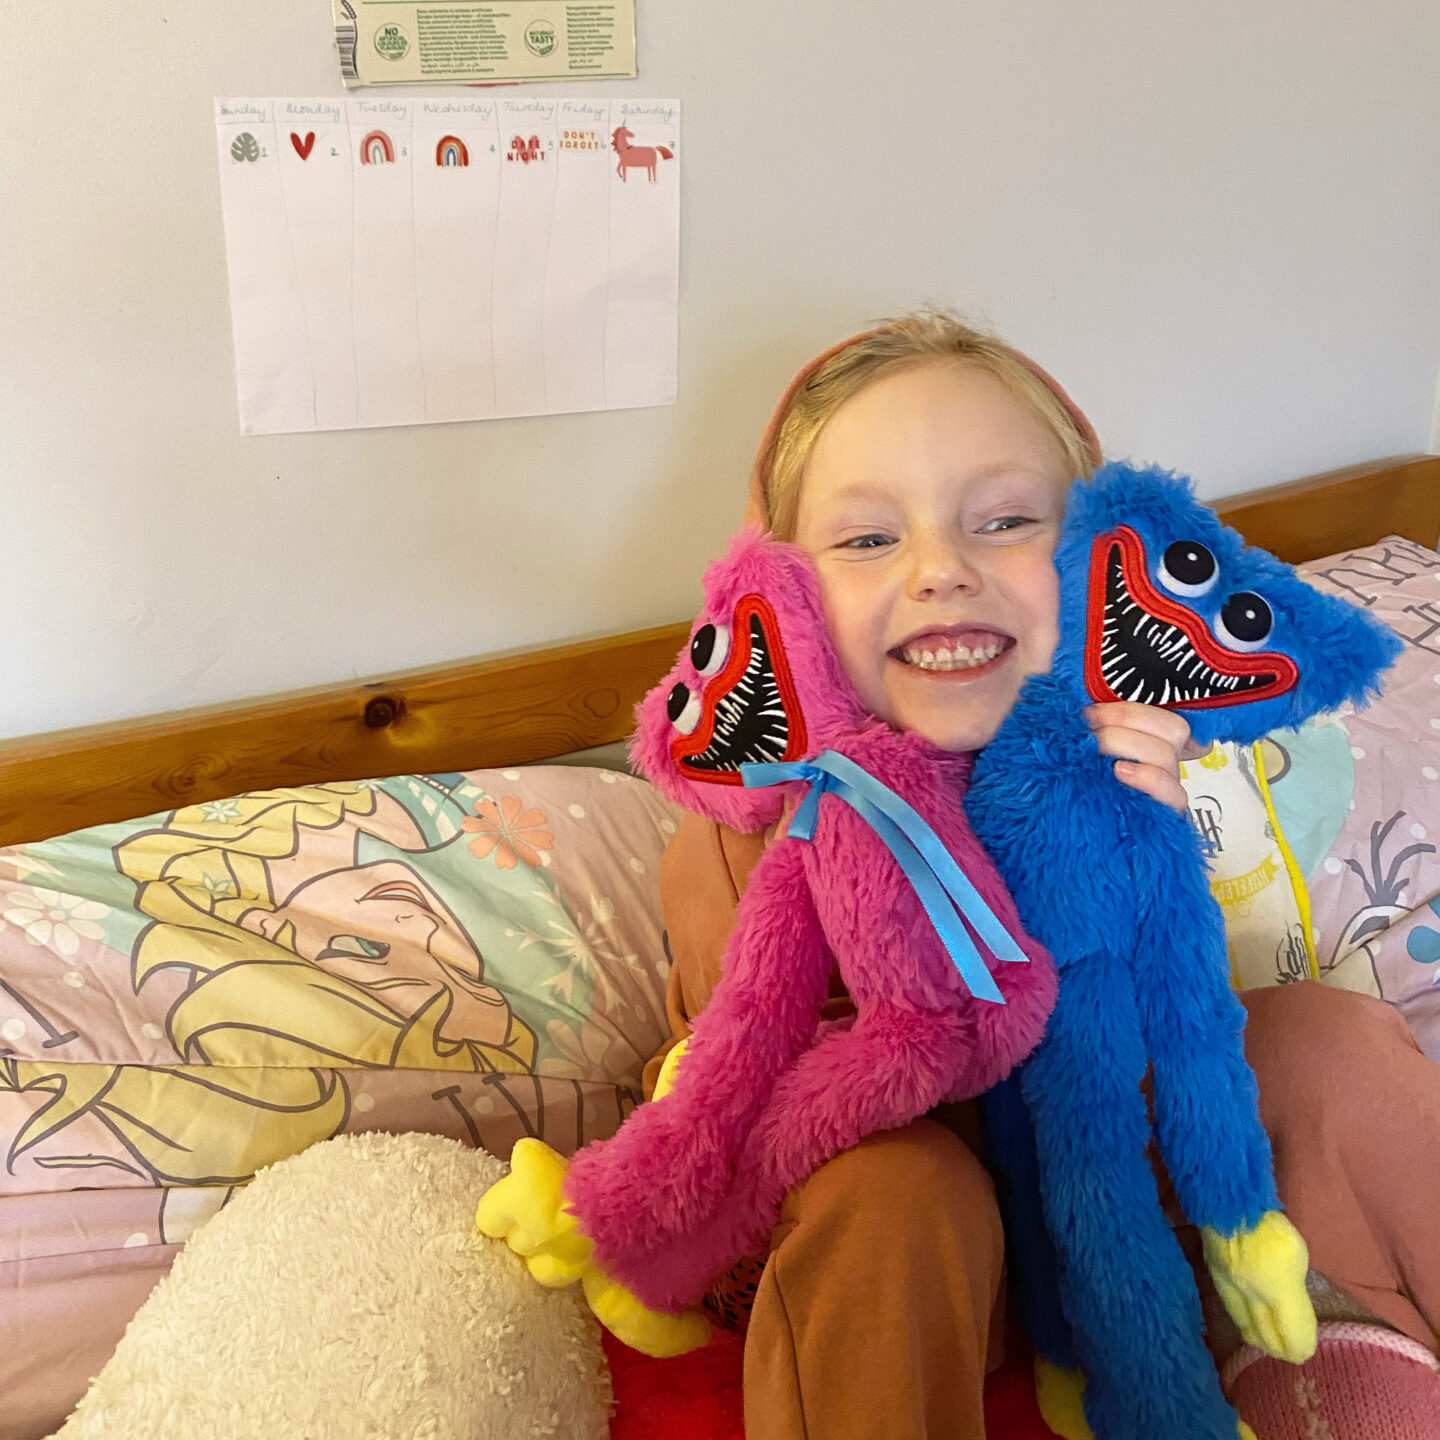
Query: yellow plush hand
{"type": "Point", "coordinates": [652, 1332]}
{"type": "Point", "coordinates": [669, 1068]}
{"type": "Point", "coordinates": [1260, 1275]}
{"type": "Point", "coordinates": [526, 1209]}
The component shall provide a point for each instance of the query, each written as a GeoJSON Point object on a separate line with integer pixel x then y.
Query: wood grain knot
{"type": "Point", "coordinates": [383, 710]}
{"type": "Point", "coordinates": [185, 778]}
{"type": "Point", "coordinates": [602, 701]}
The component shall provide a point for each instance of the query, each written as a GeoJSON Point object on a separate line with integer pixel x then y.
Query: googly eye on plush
{"type": "Point", "coordinates": [683, 708]}
{"type": "Point", "coordinates": [1188, 568]}
{"type": "Point", "coordinates": [1245, 621]}
{"type": "Point", "coordinates": [710, 648]}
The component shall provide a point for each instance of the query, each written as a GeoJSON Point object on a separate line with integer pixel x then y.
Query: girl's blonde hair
{"type": "Point", "coordinates": [910, 340]}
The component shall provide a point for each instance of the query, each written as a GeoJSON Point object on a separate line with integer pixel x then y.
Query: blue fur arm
{"type": "Point", "coordinates": [1207, 1115]}
{"type": "Point", "coordinates": [1010, 1143]}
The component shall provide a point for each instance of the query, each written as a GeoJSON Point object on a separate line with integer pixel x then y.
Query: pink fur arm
{"type": "Point", "coordinates": [645, 1196]}
{"type": "Point", "coordinates": [888, 1067]}
{"type": "Point", "coordinates": [892, 1065]}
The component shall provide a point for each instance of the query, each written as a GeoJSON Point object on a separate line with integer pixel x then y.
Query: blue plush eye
{"type": "Point", "coordinates": [1188, 568]}
{"type": "Point", "coordinates": [1245, 621]}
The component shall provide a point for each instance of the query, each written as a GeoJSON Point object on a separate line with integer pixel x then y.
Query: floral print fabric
{"type": "Point", "coordinates": [188, 997]}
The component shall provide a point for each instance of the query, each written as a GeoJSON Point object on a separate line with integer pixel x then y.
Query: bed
{"type": "Point", "coordinates": [179, 1005]}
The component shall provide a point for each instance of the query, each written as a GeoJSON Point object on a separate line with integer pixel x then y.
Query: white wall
{"type": "Point", "coordinates": [1219, 224]}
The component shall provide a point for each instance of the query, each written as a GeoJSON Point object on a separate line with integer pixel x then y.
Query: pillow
{"type": "Point", "coordinates": [188, 997]}
{"type": "Point", "coordinates": [1349, 847]}
{"type": "Point", "coordinates": [345, 1293]}
{"type": "Point", "coordinates": [1252, 873]}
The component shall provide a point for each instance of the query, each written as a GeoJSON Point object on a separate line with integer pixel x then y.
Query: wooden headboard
{"type": "Point", "coordinates": [509, 709]}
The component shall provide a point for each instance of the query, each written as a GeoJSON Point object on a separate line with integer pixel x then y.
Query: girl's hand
{"type": "Point", "coordinates": [1148, 745]}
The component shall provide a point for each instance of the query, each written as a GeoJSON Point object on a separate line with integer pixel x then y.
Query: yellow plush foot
{"type": "Point", "coordinates": [526, 1210]}
{"type": "Point", "coordinates": [1059, 1395]}
{"type": "Point", "coordinates": [652, 1332]}
{"type": "Point", "coordinates": [1260, 1276]}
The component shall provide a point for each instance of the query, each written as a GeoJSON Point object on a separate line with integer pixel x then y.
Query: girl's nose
{"type": "Point", "coordinates": [939, 569]}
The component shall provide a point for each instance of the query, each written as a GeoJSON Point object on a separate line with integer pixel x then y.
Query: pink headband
{"type": "Point", "coordinates": [757, 512]}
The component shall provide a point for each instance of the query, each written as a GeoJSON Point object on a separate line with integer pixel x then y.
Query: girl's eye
{"type": "Point", "coordinates": [1003, 522]}
{"type": "Point", "coordinates": [866, 542]}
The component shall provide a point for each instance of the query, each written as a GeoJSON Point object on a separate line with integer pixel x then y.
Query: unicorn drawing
{"type": "Point", "coordinates": [637, 157]}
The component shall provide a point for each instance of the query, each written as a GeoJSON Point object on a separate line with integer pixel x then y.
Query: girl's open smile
{"type": "Point", "coordinates": [961, 651]}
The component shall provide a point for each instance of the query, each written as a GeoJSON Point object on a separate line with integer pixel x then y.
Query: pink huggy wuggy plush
{"type": "Point", "coordinates": [878, 876]}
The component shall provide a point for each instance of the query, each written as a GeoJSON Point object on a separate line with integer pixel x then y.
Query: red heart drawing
{"type": "Point", "coordinates": [305, 146]}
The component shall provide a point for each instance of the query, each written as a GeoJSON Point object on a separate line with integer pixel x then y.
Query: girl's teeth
{"type": "Point", "coordinates": [960, 658]}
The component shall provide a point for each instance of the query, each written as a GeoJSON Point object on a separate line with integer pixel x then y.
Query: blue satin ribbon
{"type": "Point", "coordinates": [943, 887]}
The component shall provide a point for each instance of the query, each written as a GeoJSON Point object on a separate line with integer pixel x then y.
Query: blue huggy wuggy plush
{"type": "Point", "coordinates": [1159, 603]}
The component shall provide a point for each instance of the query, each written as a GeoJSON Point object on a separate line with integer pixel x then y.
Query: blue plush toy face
{"type": "Point", "coordinates": [1162, 604]}
{"type": "Point", "coordinates": [1169, 630]}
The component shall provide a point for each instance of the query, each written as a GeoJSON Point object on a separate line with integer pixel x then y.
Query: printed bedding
{"type": "Point", "coordinates": [188, 997]}
{"type": "Point", "coordinates": [1325, 858]}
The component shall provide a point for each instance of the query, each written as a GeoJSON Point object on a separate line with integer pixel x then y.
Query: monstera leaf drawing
{"type": "Point", "coordinates": [244, 147]}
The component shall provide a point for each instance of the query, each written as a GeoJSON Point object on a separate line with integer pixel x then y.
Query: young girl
{"type": "Point", "coordinates": [924, 466]}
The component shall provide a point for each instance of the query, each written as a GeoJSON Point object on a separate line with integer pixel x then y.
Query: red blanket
{"type": "Point", "coordinates": [697, 1396]}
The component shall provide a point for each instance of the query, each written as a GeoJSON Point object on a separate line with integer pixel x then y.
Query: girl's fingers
{"type": "Point", "coordinates": [1147, 745]}
{"type": "Point", "coordinates": [1138, 745]}
{"type": "Point", "coordinates": [1166, 725]}
{"type": "Point", "coordinates": [1155, 781]}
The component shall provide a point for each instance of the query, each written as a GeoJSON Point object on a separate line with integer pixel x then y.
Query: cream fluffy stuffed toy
{"type": "Point", "coordinates": [344, 1295]}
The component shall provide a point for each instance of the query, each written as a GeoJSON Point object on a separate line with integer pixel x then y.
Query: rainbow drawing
{"type": "Point", "coordinates": [376, 149]}
{"type": "Point", "coordinates": [451, 151]}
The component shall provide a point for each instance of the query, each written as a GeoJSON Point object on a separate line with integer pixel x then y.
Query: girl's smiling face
{"type": "Point", "coordinates": [931, 503]}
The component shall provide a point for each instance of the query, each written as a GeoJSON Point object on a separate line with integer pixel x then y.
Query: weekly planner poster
{"type": "Point", "coordinates": [400, 262]}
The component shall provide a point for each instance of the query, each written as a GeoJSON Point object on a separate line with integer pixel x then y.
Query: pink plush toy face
{"type": "Point", "coordinates": [758, 682]}
{"type": "Point", "coordinates": [744, 706]}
